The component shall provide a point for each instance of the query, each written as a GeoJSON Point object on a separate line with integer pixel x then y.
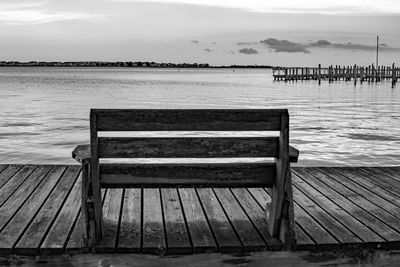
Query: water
{"type": "Point", "coordinates": [44, 111]}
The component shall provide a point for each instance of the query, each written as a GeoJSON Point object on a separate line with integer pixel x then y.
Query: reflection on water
{"type": "Point", "coordinates": [44, 111]}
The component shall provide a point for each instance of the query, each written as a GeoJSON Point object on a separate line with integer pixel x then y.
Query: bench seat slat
{"type": "Point", "coordinates": [188, 119]}
{"type": "Point", "coordinates": [188, 147]}
{"type": "Point", "coordinates": [188, 175]}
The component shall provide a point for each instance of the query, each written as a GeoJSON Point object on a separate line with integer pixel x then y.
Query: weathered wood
{"type": "Point", "coordinates": [77, 241]}
{"type": "Point", "coordinates": [57, 236]}
{"type": "Point", "coordinates": [15, 227]}
{"type": "Point", "coordinates": [356, 196]}
{"type": "Point", "coordinates": [278, 193]}
{"type": "Point", "coordinates": [337, 211]}
{"type": "Point", "coordinates": [329, 223]}
{"type": "Point", "coordinates": [361, 215]}
{"type": "Point", "coordinates": [81, 153]}
{"type": "Point", "coordinates": [201, 174]}
{"type": "Point", "coordinates": [175, 228]}
{"type": "Point", "coordinates": [200, 232]}
{"type": "Point", "coordinates": [97, 216]}
{"type": "Point", "coordinates": [367, 193]}
{"type": "Point", "coordinates": [19, 197]}
{"type": "Point", "coordinates": [130, 231]}
{"type": "Point", "coordinates": [34, 234]}
{"type": "Point", "coordinates": [256, 215]}
{"type": "Point", "coordinates": [17, 180]}
{"type": "Point", "coordinates": [111, 216]}
{"type": "Point", "coordinates": [153, 226]}
{"type": "Point", "coordinates": [244, 228]}
{"type": "Point", "coordinates": [358, 177]}
{"type": "Point", "coordinates": [187, 147]}
{"type": "Point", "coordinates": [187, 119]}
{"type": "Point", "coordinates": [8, 172]}
{"type": "Point", "coordinates": [226, 239]}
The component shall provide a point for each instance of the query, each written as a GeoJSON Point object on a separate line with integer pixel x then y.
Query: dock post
{"type": "Point", "coordinates": [393, 75]}
{"type": "Point", "coordinates": [319, 74]}
{"type": "Point", "coordinates": [355, 74]}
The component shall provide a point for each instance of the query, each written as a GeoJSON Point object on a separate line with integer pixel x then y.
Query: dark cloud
{"type": "Point", "coordinates": [248, 51]}
{"type": "Point", "coordinates": [285, 46]}
{"type": "Point", "coordinates": [292, 47]}
{"type": "Point", "coordinates": [246, 43]}
{"type": "Point", "coordinates": [321, 43]}
{"type": "Point", "coordinates": [349, 45]}
{"type": "Point", "coordinates": [194, 41]}
{"type": "Point", "coordinates": [207, 50]}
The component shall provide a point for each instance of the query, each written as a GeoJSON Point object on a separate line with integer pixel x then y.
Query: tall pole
{"type": "Point", "coordinates": [377, 50]}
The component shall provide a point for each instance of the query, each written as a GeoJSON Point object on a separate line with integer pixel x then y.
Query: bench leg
{"type": "Point", "coordinates": [89, 209]}
{"type": "Point", "coordinates": [281, 218]}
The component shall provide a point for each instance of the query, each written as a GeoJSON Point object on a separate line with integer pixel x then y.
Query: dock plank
{"type": "Point", "coordinates": [226, 238]}
{"type": "Point", "coordinates": [16, 226]}
{"type": "Point", "coordinates": [381, 179]}
{"type": "Point", "coordinates": [130, 232]}
{"type": "Point", "coordinates": [77, 240]}
{"type": "Point", "coordinates": [338, 212]}
{"type": "Point", "coordinates": [360, 178]}
{"type": "Point", "coordinates": [31, 239]}
{"type": "Point", "coordinates": [153, 225]}
{"type": "Point", "coordinates": [56, 238]}
{"type": "Point", "coordinates": [256, 215]}
{"type": "Point", "coordinates": [244, 228]}
{"type": "Point", "coordinates": [382, 222]}
{"type": "Point", "coordinates": [15, 182]}
{"type": "Point", "coordinates": [111, 215]}
{"type": "Point", "coordinates": [200, 232]}
{"type": "Point", "coordinates": [175, 226]}
{"type": "Point", "coordinates": [7, 173]}
{"type": "Point", "coordinates": [371, 194]}
{"type": "Point", "coordinates": [19, 197]}
{"type": "Point", "coordinates": [329, 223]}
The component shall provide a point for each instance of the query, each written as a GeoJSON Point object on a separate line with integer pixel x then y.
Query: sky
{"type": "Point", "coordinates": [218, 32]}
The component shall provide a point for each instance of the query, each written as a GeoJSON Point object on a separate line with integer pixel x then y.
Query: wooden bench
{"type": "Point", "coordinates": [274, 174]}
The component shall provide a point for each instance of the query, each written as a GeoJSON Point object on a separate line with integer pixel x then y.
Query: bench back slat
{"type": "Point", "coordinates": [188, 119]}
{"type": "Point", "coordinates": [189, 175]}
{"type": "Point", "coordinates": [187, 147]}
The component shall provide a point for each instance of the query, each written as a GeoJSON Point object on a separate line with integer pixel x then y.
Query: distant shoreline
{"type": "Point", "coordinates": [127, 64]}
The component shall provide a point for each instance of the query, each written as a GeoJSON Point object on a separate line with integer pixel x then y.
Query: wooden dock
{"type": "Point", "coordinates": [334, 208]}
{"type": "Point", "coordinates": [334, 73]}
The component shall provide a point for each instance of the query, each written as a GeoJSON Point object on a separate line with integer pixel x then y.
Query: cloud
{"type": "Point", "coordinates": [285, 46]}
{"type": "Point", "coordinates": [36, 13]}
{"type": "Point", "coordinates": [248, 51]}
{"type": "Point", "coordinates": [350, 46]}
{"type": "Point", "coordinates": [338, 7]}
{"type": "Point", "coordinates": [246, 43]}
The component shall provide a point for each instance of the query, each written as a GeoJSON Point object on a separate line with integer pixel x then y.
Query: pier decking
{"type": "Point", "coordinates": [334, 208]}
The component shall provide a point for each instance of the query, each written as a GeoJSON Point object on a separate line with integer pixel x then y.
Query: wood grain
{"type": "Point", "coordinates": [188, 119]}
{"type": "Point", "coordinates": [187, 147]}
{"type": "Point", "coordinates": [189, 175]}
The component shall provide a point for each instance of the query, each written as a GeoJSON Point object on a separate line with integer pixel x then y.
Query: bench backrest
{"type": "Point", "coordinates": [185, 174]}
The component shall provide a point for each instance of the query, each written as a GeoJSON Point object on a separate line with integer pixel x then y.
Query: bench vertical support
{"type": "Point", "coordinates": [95, 179]}
{"type": "Point", "coordinates": [86, 209]}
{"type": "Point", "coordinates": [279, 222]}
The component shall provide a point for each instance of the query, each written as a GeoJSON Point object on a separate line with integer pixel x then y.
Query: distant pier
{"type": "Point", "coordinates": [334, 73]}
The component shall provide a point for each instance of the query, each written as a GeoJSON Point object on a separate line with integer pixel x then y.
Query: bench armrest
{"type": "Point", "coordinates": [81, 153]}
{"type": "Point", "coordinates": [293, 154]}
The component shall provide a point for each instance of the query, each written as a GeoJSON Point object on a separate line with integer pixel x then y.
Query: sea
{"type": "Point", "coordinates": [44, 112]}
